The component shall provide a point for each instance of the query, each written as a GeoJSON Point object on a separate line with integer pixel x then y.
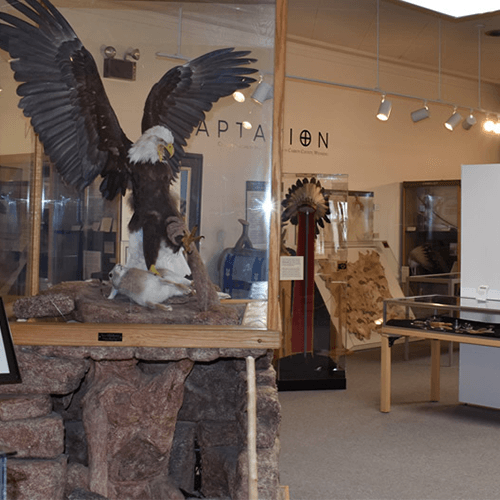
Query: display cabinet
{"type": "Point", "coordinates": [444, 313]}
{"type": "Point", "coordinates": [433, 284]}
{"type": "Point", "coordinates": [54, 234]}
{"type": "Point", "coordinates": [430, 228]}
{"type": "Point", "coordinates": [313, 287]}
{"type": "Point", "coordinates": [439, 318]}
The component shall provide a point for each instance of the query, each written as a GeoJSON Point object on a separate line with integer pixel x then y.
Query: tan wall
{"type": "Point", "coordinates": [377, 155]}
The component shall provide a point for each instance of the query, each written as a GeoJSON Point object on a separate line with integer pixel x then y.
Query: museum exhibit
{"type": "Point", "coordinates": [248, 250]}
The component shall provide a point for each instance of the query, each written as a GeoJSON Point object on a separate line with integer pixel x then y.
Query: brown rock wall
{"type": "Point", "coordinates": [34, 437]}
{"type": "Point", "coordinates": [36, 479]}
{"type": "Point", "coordinates": [19, 406]}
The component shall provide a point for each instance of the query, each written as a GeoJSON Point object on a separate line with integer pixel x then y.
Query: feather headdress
{"type": "Point", "coordinates": [303, 196]}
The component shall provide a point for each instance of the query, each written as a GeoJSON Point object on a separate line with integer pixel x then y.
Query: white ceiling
{"type": "Point", "coordinates": [407, 34]}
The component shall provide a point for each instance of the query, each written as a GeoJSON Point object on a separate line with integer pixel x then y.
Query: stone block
{"type": "Point", "coordinates": [36, 479]}
{"type": "Point", "coordinates": [219, 471]}
{"type": "Point", "coordinates": [182, 456]}
{"type": "Point", "coordinates": [82, 494]}
{"type": "Point", "coordinates": [46, 374]}
{"type": "Point", "coordinates": [41, 306]}
{"type": "Point", "coordinates": [212, 434]}
{"type": "Point", "coordinates": [34, 437]}
{"type": "Point", "coordinates": [210, 392]}
{"type": "Point", "coordinates": [268, 417]}
{"type": "Point", "coordinates": [17, 406]}
{"type": "Point", "coordinates": [77, 478]}
{"type": "Point", "coordinates": [267, 472]}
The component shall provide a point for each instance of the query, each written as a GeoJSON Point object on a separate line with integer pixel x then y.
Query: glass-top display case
{"type": "Point", "coordinates": [430, 226]}
{"type": "Point", "coordinates": [313, 287]}
{"type": "Point", "coordinates": [443, 313]}
{"type": "Point", "coordinates": [55, 233]}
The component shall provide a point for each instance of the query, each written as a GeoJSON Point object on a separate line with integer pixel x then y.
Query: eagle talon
{"type": "Point", "coordinates": [153, 270]}
{"type": "Point", "coordinates": [190, 238]}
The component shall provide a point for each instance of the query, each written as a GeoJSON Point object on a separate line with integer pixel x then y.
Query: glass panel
{"type": "Point", "coordinates": [78, 232]}
{"type": "Point", "coordinates": [430, 228]}
{"type": "Point", "coordinates": [14, 226]}
{"type": "Point", "coordinates": [225, 177]}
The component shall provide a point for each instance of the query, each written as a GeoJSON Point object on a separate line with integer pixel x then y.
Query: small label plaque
{"type": "Point", "coordinates": [110, 337]}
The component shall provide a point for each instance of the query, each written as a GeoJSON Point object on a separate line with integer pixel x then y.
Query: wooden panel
{"type": "Point", "coordinates": [141, 335]}
{"type": "Point", "coordinates": [273, 320]}
{"type": "Point", "coordinates": [449, 337]}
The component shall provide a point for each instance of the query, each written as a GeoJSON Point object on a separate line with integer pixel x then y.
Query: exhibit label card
{"type": "Point", "coordinates": [291, 268]}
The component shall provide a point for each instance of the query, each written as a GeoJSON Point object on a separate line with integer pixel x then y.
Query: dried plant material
{"type": "Point", "coordinates": [367, 288]}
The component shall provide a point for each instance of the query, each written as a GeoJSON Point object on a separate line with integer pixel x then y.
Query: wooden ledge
{"type": "Point", "coordinates": [140, 335]}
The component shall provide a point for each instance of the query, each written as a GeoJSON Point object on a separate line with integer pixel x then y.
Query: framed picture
{"type": "Point", "coordinates": [9, 370]}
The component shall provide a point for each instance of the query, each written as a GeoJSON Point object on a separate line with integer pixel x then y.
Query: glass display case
{"type": "Point", "coordinates": [54, 234]}
{"type": "Point", "coordinates": [442, 313]}
{"type": "Point", "coordinates": [433, 284]}
{"type": "Point", "coordinates": [361, 206]}
{"type": "Point", "coordinates": [313, 288]}
{"type": "Point", "coordinates": [430, 218]}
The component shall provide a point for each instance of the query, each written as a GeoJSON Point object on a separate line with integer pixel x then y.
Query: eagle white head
{"type": "Point", "coordinates": [152, 145]}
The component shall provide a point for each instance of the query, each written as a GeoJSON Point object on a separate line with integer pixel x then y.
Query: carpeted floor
{"type": "Point", "coordinates": [336, 445]}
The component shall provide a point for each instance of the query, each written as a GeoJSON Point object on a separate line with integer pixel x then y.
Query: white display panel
{"type": "Point", "coordinates": [480, 273]}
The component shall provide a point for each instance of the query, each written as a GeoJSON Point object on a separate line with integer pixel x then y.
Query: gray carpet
{"type": "Point", "coordinates": [336, 445]}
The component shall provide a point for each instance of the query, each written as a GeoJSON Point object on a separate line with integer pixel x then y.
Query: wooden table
{"type": "Point", "coordinates": [389, 334]}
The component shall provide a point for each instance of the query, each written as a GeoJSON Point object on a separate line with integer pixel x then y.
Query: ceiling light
{"type": "Point", "coordinates": [453, 120]}
{"type": "Point", "coordinates": [469, 122]}
{"type": "Point", "coordinates": [496, 126]}
{"type": "Point", "coordinates": [489, 125]}
{"type": "Point", "coordinates": [238, 96]}
{"type": "Point", "coordinates": [384, 110]}
{"type": "Point", "coordinates": [420, 114]}
{"type": "Point", "coordinates": [457, 9]}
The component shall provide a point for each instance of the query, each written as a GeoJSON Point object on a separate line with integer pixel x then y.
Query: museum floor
{"type": "Point", "coordinates": [336, 445]}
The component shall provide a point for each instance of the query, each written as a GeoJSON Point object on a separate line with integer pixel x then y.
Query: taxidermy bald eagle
{"type": "Point", "coordinates": [62, 93]}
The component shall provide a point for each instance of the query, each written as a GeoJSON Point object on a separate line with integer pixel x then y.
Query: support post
{"type": "Point", "coordinates": [435, 369]}
{"type": "Point", "coordinates": [385, 375]}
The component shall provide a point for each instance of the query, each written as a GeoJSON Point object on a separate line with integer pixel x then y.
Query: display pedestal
{"type": "Point", "coordinates": [310, 372]}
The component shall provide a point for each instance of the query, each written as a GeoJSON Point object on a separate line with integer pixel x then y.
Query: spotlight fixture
{"type": "Point", "coordinates": [469, 122]}
{"type": "Point", "coordinates": [122, 69]}
{"type": "Point", "coordinates": [263, 92]}
{"type": "Point", "coordinates": [453, 120]}
{"type": "Point", "coordinates": [384, 110]}
{"type": "Point", "coordinates": [420, 114]}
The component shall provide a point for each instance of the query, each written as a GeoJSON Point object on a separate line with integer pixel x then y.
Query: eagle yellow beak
{"type": "Point", "coordinates": [169, 148]}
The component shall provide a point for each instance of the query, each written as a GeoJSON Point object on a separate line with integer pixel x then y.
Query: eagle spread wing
{"type": "Point", "coordinates": [63, 95]}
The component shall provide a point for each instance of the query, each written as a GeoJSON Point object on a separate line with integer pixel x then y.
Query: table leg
{"type": "Point", "coordinates": [385, 375]}
{"type": "Point", "coordinates": [435, 369]}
